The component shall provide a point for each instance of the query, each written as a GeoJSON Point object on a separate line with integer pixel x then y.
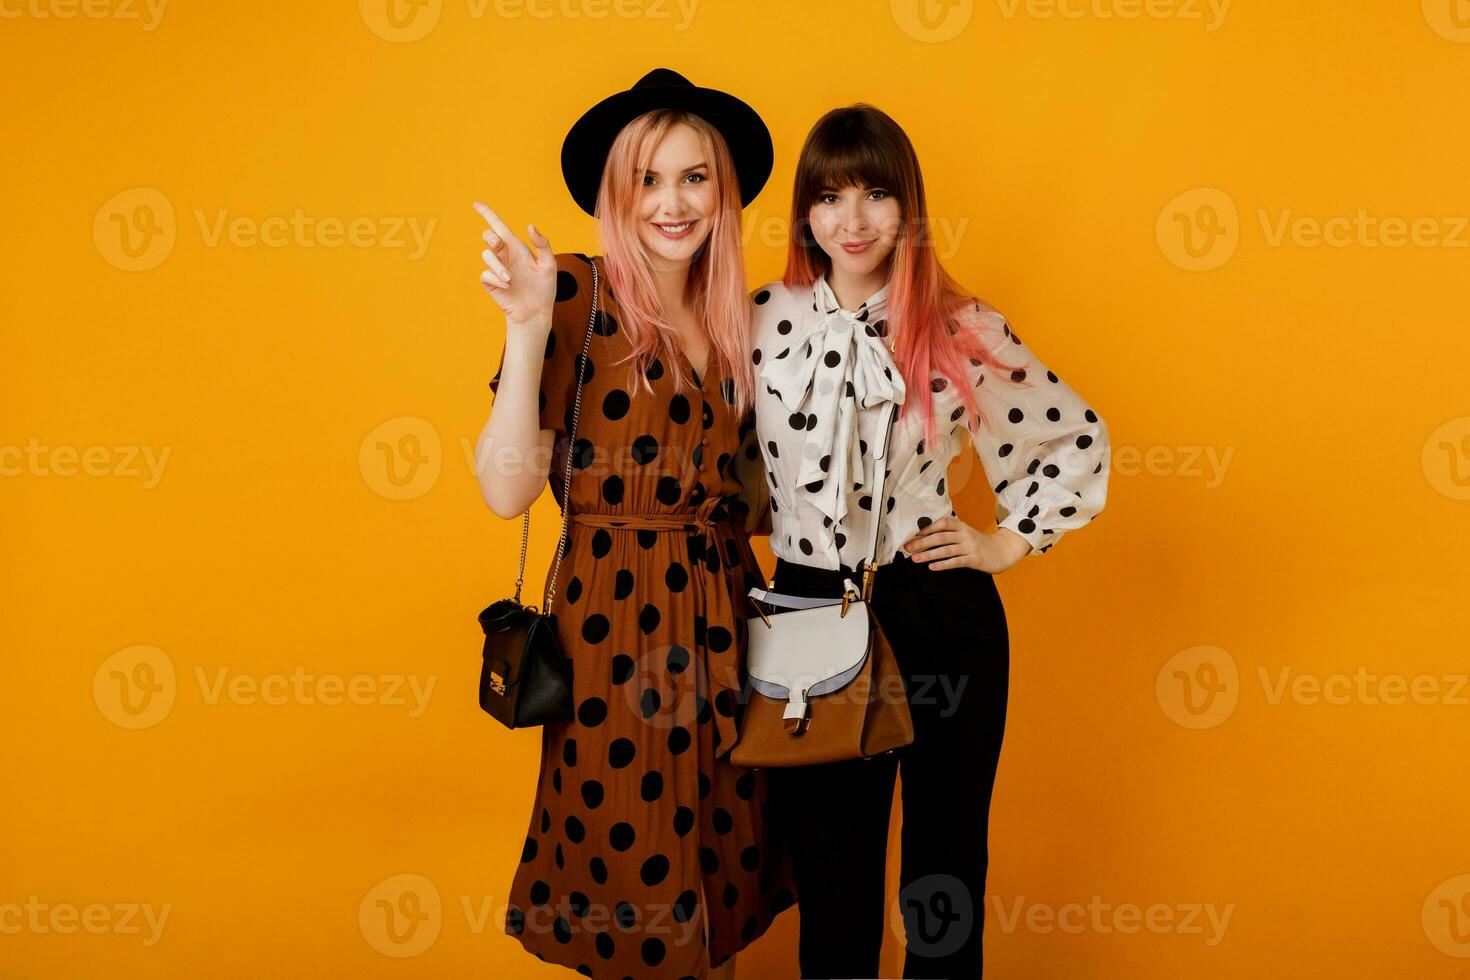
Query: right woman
{"type": "Point", "coordinates": [646, 854]}
{"type": "Point", "coordinates": [865, 318]}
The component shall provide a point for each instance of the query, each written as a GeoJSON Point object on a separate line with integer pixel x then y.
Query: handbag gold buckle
{"type": "Point", "coordinates": [497, 683]}
{"type": "Point", "coordinates": [848, 598]}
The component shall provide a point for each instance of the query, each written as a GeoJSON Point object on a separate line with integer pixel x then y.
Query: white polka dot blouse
{"type": "Point", "coordinates": [825, 376]}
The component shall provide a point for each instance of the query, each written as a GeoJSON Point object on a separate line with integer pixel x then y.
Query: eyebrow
{"type": "Point", "coordinates": [686, 170]}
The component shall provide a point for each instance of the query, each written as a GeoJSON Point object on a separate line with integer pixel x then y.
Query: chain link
{"type": "Point", "coordinates": [525, 538]}
{"type": "Point", "coordinates": [566, 486]}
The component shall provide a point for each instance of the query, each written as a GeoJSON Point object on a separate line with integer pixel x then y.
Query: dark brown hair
{"type": "Point", "coordinates": [861, 146]}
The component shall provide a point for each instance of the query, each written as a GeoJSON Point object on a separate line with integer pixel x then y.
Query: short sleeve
{"type": "Point", "coordinates": [563, 343]}
{"type": "Point", "coordinates": [1043, 447]}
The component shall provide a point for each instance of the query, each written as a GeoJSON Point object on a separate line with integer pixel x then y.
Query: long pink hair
{"type": "Point", "coordinates": [717, 291]}
{"type": "Point", "coordinates": [936, 318]}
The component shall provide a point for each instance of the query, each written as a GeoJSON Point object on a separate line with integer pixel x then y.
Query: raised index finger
{"type": "Point", "coordinates": [493, 220]}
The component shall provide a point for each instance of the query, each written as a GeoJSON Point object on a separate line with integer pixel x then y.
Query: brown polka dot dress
{"type": "Point", "coordinates": [647, 853]}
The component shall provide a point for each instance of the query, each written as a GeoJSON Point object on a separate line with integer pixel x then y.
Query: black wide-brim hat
{"type": "Point", "coordinates": [585, 150]}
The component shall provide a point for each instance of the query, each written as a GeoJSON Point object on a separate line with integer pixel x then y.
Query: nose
{"type": "Point", "coordinates": [672, 202]}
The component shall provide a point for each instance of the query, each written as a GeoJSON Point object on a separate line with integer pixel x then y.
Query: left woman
{"type": "Point", "coordinates": [646, 854]}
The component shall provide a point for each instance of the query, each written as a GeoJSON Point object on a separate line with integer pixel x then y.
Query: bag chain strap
{"type": "Point", "coordinates": [525, 537]}
{"type": "Point", "coordinates": [566, 485]}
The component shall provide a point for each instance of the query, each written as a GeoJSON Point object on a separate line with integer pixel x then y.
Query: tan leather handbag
{"type": "Point", "coordinates": [823, 681]}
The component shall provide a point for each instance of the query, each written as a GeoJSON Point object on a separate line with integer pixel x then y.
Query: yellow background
{"type": "Point", "coordinates": [1329, 381]}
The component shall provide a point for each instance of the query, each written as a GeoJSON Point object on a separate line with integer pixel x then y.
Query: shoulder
{"type": "Point", "coordinates": [574, 293]}
{"type": "Point", "coordinates": [973, 313]}
{"type": "Point", "coordinates": [985, 324]}
{"type": "Point", "coordinates": [776, 294]}
{"type": "Point", "coordinates": [574, 276]}
{"type": "Point", "coordinates": [773, 302]}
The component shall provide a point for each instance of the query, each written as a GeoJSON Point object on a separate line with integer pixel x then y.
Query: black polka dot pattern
{"type": "Point", "coordinates": [638, 784]}
{"type": "Point", "coordinates": [824, 374]}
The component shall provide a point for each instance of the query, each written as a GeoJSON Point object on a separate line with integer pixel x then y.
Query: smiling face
{"type": "Point", "coordinates": [678, 198]}
{"type": "Point", "coordinates": [857, 227]}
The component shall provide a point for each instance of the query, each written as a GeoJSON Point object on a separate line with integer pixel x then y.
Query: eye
{"type": "Point", "coordinates": [827, 198]}
{"type": "Point", "coordinates": [877, 194]}
{"type": "Point", "coordinates": [648, 180]}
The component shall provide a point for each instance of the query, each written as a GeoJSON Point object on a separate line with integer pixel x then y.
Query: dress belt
{"type": "Point", "coordinates": [640, 522]}
{"type": "Point", "coordinates": [701, 518]}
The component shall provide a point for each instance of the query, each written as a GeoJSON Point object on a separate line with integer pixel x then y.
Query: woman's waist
{"type": "Point", "coordinates": [899, 572]}
{"type": "Point", "coordinates": [712, 513]}
{"type": "Point", "coordinates": [833, 550]}
{"type": "Point", "coordinates": [904, 508]}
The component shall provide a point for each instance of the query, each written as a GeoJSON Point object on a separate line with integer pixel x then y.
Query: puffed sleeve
{"type": "Point", "coordinates": [563, 343]}
{"type": "Point", "coordinates": [1043, 448]}
{"type": "Point", "coordinates": [749, 467]}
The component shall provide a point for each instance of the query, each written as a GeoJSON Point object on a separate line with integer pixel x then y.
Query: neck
{"type": "Point", "coordinates": [851, 289]}
{"type": "Point", "coordinates": [673, 285]}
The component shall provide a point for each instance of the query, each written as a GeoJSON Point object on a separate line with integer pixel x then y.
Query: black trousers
{"type": "Point", "coordinates": [948, 632]}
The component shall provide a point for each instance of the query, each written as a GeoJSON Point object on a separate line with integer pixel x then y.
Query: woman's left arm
{"type": "Point", "coordinates": [1045, 451]}
{"type": "Point", "coordinates": [749, 468]}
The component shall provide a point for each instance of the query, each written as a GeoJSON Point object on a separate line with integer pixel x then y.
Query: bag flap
{"type": "Point", "coordinates": [807, 651]}
{"type": "Point", "coordinates": [507, 652]}
{"type": "Point", "coordinates": [504, 616]}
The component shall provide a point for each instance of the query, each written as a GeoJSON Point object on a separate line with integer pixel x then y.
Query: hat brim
{"type": "Point", "coordinates": [585, 149]}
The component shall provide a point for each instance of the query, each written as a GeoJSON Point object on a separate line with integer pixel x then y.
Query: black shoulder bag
{"type": "Point", "coordinates": [524, 679]}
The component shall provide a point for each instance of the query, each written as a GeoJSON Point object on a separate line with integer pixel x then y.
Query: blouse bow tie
{"type": "Point", "coordinates": [836, 362]}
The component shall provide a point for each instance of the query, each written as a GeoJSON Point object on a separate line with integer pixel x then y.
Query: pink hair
{"type": "Point", "coordinates": [717, 290]}
{"type": "Point", "coordinates": [935, 317]}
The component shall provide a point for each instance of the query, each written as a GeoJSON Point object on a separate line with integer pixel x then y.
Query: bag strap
{"type": "Point", "coordinates": [880, 510]}
{"type": "Point", "coordinates": [566, 483]}
{"type": "Point", "coordinates": [788, 601]}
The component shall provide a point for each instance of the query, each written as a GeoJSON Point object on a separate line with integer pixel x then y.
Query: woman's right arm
{"type": "Point", "coordinates": [513, 453]}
